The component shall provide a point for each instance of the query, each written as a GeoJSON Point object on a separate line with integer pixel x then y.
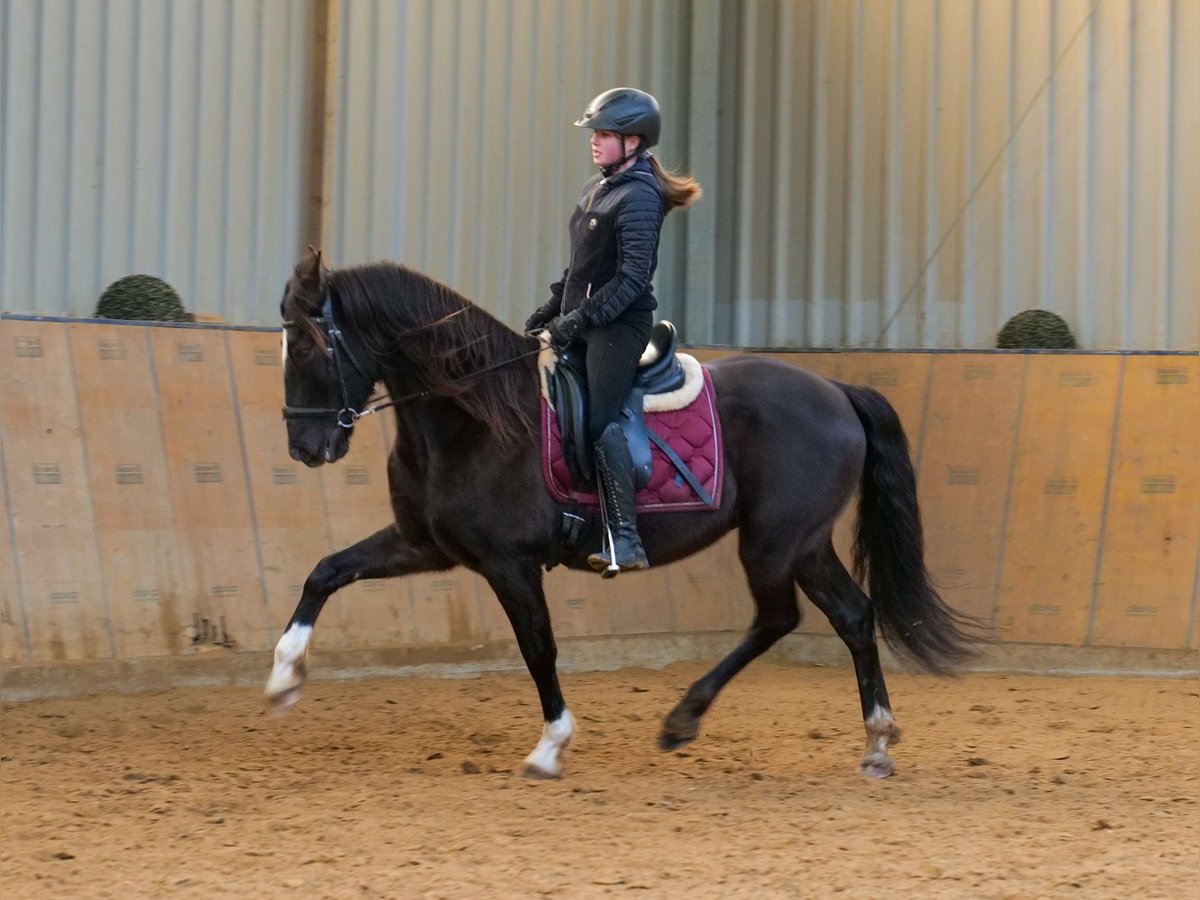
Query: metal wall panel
{"type": "Point", "coordinates": [151, 136]}
{"type": "Point", "coordinates": [911, 173]}
{"type": "Point", "coordinates": [454, 148]}
{"type": "Point", "coordinates": [899, 173]}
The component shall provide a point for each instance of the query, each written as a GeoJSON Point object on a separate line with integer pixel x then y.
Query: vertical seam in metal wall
{"type": "Point", "coordinates": [997, 581]}
{"type": "Point", "coordinates": [744, 263]}
{"type": "Point", "coordinates": [1108, 477]}
{"type": "Point", "coordinates": [969, 275]}
{"type": "Point", "coordinates": [1049, 149]}
{"type": "Point", "coordinates": [166, 257]}
{"type": "Point", "coordinates": [1009, 177]}
{"type": "Point", "coordinates": [133, 238]}
{"type": "Point", "coordinates": [69, 139]}
{"type": "Point", "coordinates": [227, 161]}
{"type": "Point", "coordinates": [36, 156]}
{"type": "Point", "coordinates": [341, 126]}
{"type": "Point", "coordinates": [818, 172]}
{"type": "Point", "coordinates": [241, 433]}
{"type": "Point", "coordinates": [373, 200]}
{"type": "Point", "coordinates": [1131, 147]}
{"type": "Point", "coordinates": [10, 524]}
{"type": "Point", "coordinates": [194, 181]}
{"type": "Point", "coordinates": [932, 218]}
{"type": "Point", "coordinates": [248, 312]}
{"type": "Point", "coordinates": [5, 79]}
{"type": "Point", "coordinates": [1083, 318]}
{"type": "Point", "coordinates": [91, 506]}
{"type": "Point", "coordinates": [853, 258]}
{"type": "Point", "coordinates": [1168, 251]}
{"type": "Point", "coordinates": [780, 304]}
{"type": "Point", "coordinates": [892, 263]}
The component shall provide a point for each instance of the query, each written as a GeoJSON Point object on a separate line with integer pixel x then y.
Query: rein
{"type": "Point", "coordinates": [347, 417]}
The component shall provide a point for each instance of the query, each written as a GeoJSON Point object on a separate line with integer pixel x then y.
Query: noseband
{"type": "Point", "coordinates": [336, 347]}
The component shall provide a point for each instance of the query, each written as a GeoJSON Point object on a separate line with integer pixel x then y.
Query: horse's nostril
{"type": "Point", "coordinates": [296, 454]}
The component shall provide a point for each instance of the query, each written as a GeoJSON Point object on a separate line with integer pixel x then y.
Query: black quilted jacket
{"type": "Point", "coordinates": [614, 246]}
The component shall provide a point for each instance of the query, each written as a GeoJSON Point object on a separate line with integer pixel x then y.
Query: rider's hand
{"type": "Point", "coordinates": [540, 318]}
{"type": "Point", "coordinates": [565, 329]}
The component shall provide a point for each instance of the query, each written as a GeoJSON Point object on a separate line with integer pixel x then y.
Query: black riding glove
{"type": "Point", "coordinates": [541, 316]}
{"type": "Point", "coordinates": [565, 329]}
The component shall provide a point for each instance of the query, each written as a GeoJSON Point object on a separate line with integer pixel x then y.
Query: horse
{"type": "Point", "coordinates": [467, 489]}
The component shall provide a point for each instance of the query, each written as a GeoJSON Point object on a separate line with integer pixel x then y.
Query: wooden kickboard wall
{"type": "Point", "coordinates": [150, 507]}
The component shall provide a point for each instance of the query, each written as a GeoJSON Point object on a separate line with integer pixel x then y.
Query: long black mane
{"type": "Point", "coordinates": [412, 324]}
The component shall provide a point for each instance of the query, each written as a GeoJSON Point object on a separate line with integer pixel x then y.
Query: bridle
{"type": "Point", "coordinates": [336, 347]}
{"type": "Point", "coordinates": [347, 416]}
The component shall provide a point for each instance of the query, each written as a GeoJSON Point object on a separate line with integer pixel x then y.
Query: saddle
{"type": "Point", "coordinates": [660, 373]}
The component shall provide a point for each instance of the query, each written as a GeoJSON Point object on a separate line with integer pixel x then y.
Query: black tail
{"type": "Point", "coordinates": [889, 546]}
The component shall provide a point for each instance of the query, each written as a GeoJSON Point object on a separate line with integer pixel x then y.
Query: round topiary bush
{"type": "Point", "coordinates": [141, 297]}
{"type": "Point", "coordinates": [1035, 329]}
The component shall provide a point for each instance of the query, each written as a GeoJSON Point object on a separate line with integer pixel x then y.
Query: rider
{"type": "Point", "coordinates": [605, 300]}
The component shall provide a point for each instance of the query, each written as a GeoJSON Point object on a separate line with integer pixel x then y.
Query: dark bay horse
{"type": "Point", "coordinates": [467, 490]}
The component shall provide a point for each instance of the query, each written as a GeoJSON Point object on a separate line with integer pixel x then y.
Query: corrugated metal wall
{"type": "Point", "coordinates": [454, 149]}
{"type": "Point", "coordinates": [151, 136]}
{"type": "Point", "coordinates": [899, 173]}
{"type": "Point", "coordinates": [910, 173]}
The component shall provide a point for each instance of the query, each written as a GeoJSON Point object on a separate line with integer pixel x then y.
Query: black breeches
{"type": "Point", "coordinates": [613, 351]}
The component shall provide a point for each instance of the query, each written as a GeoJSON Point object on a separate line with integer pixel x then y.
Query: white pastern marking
{"type": "Point", "coordinates": [290, 654]}
{"type": "Point", "coordinates": [880, 726]}
{"type": "Point", "coordinates": [555, 736]}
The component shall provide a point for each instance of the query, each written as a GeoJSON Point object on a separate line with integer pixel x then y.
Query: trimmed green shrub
{"type": "Point", "coordinates": [141, 297]}
{"type": "Point", "coordinates": [1035, 329]}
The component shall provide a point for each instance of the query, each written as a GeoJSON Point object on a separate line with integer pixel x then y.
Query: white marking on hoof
{"type": "Point", "coordinates": [881, 734]}
{"type": "Point", "coordinates": [543, 761]}
{"type": "Point", "coordinates": [291, 666]}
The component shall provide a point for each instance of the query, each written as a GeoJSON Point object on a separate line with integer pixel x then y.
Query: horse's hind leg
{"type": "Point", "coordinates": [384, 554]}
{"type": "Point", "coordinates": [827, 583]}
{"type": "Point", "coordinates": [776, 614]}
{"type": "Point", "coordinates": [519, 589]}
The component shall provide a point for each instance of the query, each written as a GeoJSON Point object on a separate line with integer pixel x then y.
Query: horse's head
{"type": "Point", "coordinates": [327, 376]}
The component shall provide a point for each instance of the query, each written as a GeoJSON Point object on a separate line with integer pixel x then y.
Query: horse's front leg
{"type": "Point", "coordinates": [385, 554]}
{"type": "Point", "coordinates": [519, 589]}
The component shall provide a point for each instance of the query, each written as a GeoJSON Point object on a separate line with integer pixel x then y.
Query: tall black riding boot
{"type": "Point", "coordinates": [614, 471]}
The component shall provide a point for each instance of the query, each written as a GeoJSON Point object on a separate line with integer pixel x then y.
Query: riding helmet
{"type": "Point", "coordinates": [625, 111]}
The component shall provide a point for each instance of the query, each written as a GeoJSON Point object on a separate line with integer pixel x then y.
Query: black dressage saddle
{"type": "Point", "coordinates": [567, 385]}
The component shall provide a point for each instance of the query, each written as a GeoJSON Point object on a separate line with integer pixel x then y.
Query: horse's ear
{"type": "Point", "coordinates": [310, 269]}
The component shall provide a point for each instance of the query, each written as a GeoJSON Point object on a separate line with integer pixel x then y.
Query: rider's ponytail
{"type": "Point", "coordinates": [679, 191]}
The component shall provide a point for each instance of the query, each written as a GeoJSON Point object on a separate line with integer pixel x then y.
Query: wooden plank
{"type": "Point", "coordinates": [1059, 480]}
{"type": "Point", "coordinates": [289, 509]}
{"type": "Point", "coordinates": [147, 574]}
{"type": "Point", "coordinates": [640, 603]}
{"type": "Point", "coordinates": [13, 645]}
{"type": "Point", "coordinates": [376, 613]}
{"type": "Point", "coordinates": [709, 592]}
{"type": "Point", "coordinates": [52, 526]}
{"type": "Point", "coordinates": [1148, 555]}
{"type": "Point", "coordinates": [208, 488]}
{"type": "Point", "coordinates": [966, 457]}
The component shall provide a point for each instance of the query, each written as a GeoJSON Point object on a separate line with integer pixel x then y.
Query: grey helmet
{"type": "Point", "coordinates": [625, 111]}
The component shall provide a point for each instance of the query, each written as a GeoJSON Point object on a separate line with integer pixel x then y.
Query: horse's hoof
{"type": "Point", "coordinates": [278, 704]}
{"type": "Point", "coordinates": [877, 765]}
{"type": "Point", "coordinates": [534, 772]}
{"type": "Point", "coordinates": [669, 741]}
